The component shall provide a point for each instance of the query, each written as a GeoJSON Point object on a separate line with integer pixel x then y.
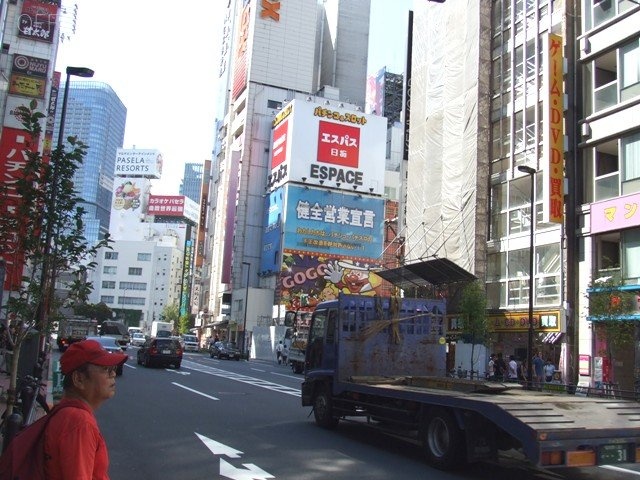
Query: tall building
{"type": "Point", "coordinates": [97, 117]}
{"type": "Point", "coordinates": [191, 184]}
{"type": "Point", "coordinates": [303, 50]}
{"type": "Point", "coordinates": [607, 171]}
{"type": "Point", "coordinates": [481, 107]}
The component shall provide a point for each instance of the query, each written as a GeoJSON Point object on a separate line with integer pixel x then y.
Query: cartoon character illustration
{"type": "Point", "coordinates": [351, 278]}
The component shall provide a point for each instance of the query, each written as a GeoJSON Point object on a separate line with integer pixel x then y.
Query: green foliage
{"type": "Point", "coordinates": [99, 311]}
{"type": "Point", "coordinates": [607, 304]}
{"type": "Point", "coordinates": [473, 307]}
{"type": "Point", "coordinates": [171, 313]}
{"type": "Point", "coordinates": [184, 324]}
{"type": "Point", "coordinates": [41, 227]}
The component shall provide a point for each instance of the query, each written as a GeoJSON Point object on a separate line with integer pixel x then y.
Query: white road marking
{"type": "Point", "coordinates": [620, 469]}
{"type": "Point", "coordinates": [242, 378]}
{"type": "Point", "coordinates": [194, 391]}
{"type": "Point", "coordinates": [258, 370]}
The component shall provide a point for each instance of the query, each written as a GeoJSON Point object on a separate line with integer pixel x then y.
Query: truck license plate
{"type": "Point", "coordinates": [608, 454]}
{"type": "Point", "coordinates": [166, 352]}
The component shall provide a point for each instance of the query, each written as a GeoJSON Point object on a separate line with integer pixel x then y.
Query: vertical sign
{"type": "Point", "coordinates": [553, 123]}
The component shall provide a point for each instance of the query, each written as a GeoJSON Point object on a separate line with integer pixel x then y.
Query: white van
{"type": "Point", "coordinates": [190, 343]}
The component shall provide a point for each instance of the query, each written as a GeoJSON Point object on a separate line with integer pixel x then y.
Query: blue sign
{"type": "Point", "coordinates": [272, 234]}
{"type": "Point", "coordinates": [336, 222]}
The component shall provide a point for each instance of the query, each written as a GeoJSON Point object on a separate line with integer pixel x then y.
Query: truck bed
{"type": "Point", "coordinates": [535, 418]}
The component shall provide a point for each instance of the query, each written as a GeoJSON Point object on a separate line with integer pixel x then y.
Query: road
{"type": "Point", "coordinates": [216, 419]}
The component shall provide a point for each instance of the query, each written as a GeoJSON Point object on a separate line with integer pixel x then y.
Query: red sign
{"type": "Point", "coordinates": [166, 205]}
{"type": "Point", "coordinates": [38, 20]}
{"type": "Point", "coordinates": [338, 144]}
{"type": "Point", "coordinates": [279, 148]}
{"type": "Point", "coordinates": [13, 158]}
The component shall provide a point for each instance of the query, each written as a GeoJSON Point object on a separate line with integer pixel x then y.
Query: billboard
{"type": "Point", "coordinates": [128, 206]}
{"type": "Point", "coordinates": [322, 221]}
{"type": "Point", "coordinates": [173, 206]}
{"type": "Point", "coordinates": [272, 234]}
{"type": "Point", "coordinates": [14, 146]}
{"type": "Point", "coordinates": [307, 279]}
{"type": "Point", "coordinates": [374, 103]}
{"type": "Point", "coordinates": [241, 59]}
{"type": "Point", "coordinates": [615, 214]}
{"type": "Point", "coordinates": [132, 162]}
{"type": "Point", "coordinates": [38, 20]}
{"type": "Point", "coordinates": [553, 125]}
{"type": "Point", "coordinates": [331, 147]}
{"type": "Point", "coordinates": [11, 116]}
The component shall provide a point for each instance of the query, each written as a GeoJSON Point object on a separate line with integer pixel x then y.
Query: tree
{"type": "Point", "coordinates": [41, 227]}
{"type": "Point", "coordinates": [171, 313]}
{"type": "Point", "coordinates": [184, 324]}
{"type": "Point", "coordinates": [99, 311]}
{"type": "Point", "coordinates": [609, 304]}
{"type": "Point", "coordinates": [473, 307]}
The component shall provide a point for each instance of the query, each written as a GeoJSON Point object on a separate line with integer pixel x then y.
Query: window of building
{"type": "Point", "coordinates": [631, 255]}
{"type": "Point", "coordinates": [135, 271]}
{"type": "Point", "coordinates": [606, 168]}
{"type": "Point", "coordinates": [110, 255]}
{"type": "Point", "coordinates": [107, 298]}
{"type": "Point", "coordinates": [124, 300]}
{"type": "Point", "coordinates": [144, 257]}
{"type": "Point", "coordinates": [605, 81]}
{"type": "Point", "coordinates": [607, 255]}
{"type": "Point", "coordinates": [630, 70]}
{"type": "Point", "coordinates": [109, 270]}
{"type": "Point", "coordinates": [548, 261]}
{"type": "Point", "coordinates": [133, 286]}
{"type": "Point", "coordinates": [108, 284]}
{"type": "Point", "coordinates": [630, 148]}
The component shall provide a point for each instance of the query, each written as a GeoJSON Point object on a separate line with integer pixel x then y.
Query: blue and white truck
{"type": "Point", "coordinates": [380, 362]}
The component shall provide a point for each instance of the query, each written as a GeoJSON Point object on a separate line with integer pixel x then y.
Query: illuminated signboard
{"type": "Point", "coordinates": [553, 124]}
{"type": "Point", "coordinates": [331, 147]}
{"type": "Point", "coordinates": [329, 221]}
{"type": "Point", "coordinates": [138, 162]}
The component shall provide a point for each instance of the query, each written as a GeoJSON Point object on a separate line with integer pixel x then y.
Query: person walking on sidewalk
{"type": "Point", "coordinates": [73, 445]}
{"type": "Point", "coordinates": [279, 348]}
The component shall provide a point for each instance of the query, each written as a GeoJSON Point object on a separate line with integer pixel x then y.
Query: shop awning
{"type": "Point", "coordinates": [552, 337]}
{"type": "Point", "coordinates": [436, 271]}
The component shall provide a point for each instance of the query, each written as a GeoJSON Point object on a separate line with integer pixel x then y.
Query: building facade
{"type": "Point", "coordinates": [191, 183]}
{"type": "Point", "coordinates": [298, 50]}
{"type": "Point", "coordinates": [97, 117]}
{"type": "Point", "coordinates": [608, 167]}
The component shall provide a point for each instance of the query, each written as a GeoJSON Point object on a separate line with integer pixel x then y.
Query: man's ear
{"type": "Point", "coordinates": [78, 378]}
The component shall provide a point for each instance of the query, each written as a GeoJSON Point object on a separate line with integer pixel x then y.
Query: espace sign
{"type": "Point", "coordinates": [328, 146]}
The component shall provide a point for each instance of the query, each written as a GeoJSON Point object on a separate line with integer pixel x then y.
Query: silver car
{"type": "Point", "coordinates": [138, 339]}
{"type": "Point", "coordinates": [111, 345]}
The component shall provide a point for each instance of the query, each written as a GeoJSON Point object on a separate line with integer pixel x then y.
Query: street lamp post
{"type": "Point", "coordinates": [532, 173]}
{"type": "Point", "coordinates": [246, 303]}
{"type": "Point", "coordinates": [48, 265]}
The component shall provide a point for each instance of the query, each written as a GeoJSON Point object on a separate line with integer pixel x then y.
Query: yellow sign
{"type": "Point", "coordinates": [553, 168]}
{"type": "Point", "coordinates": [546, 321]}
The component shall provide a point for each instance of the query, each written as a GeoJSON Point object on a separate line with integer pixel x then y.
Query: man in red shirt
{"type": "Point", "coordinates": [73, 445]}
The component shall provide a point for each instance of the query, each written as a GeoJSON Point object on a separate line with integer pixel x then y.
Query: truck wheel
{"type": "Point", "coordinates": [323, 409]}
{"type": "Point", "coordinates": [443, 440]}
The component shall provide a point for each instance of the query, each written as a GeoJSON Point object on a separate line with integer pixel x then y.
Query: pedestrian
{"type": "Point", "coordinates": [500, 367]}
{"type": "Point", "coordinates": [73, 445]}
{"type": "Point", "coordinates": [279, 348]}
{"type": "Point", "coordinates": [538, 370]}
{"type": "Point", "coordinates": [285, 354]}
{"type": "Point", "coordinates": [549, 370]}
{"type": "Point", "coordinates": [491, 367]}
{"type": "Point", "coordinates": [513, 369]}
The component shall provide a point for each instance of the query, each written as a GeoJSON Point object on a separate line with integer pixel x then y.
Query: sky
{"type": "Point", "coordinates": [162, 63]}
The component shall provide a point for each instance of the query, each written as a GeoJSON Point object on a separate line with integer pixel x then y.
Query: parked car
{"type": "Point", "coordinates": [111, 346]}
{"type": "Point", "coordinates": [226, 350]}
{"type": "Point", "coordinates": [190, 343]}
{"type": "Point", "coordinates": [138, 339]}
{"type": "Point", "coordinates": [160, 352]}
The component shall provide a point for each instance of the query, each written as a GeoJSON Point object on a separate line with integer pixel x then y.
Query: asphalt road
{"type": "Point", "coordinates": [242, 420]}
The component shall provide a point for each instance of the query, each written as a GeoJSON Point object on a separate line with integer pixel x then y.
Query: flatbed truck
{"type": "Point", "coordinates": [381, 362]}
